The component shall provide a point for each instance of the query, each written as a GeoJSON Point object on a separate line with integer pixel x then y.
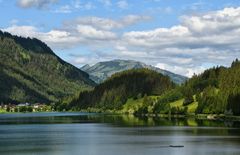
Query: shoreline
{"type": "Point", "coordinates": [216, 117]}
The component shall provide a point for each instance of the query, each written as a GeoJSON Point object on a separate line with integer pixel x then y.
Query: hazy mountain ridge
{"type": "Point", "coordinates": [31, 72]}
{"type": "Point", "coordinates": [103, 70]}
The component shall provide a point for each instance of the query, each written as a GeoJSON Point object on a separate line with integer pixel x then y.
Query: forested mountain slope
{"type": "Point", "coordinates": [31, 72]}
{"type": "Point", "coordinates": [114, 92]}
{"type": "Point", "coordinates": [215, 91]}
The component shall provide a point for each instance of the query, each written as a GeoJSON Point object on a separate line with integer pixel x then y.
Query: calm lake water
{"type": "Point", "coordinates": [98, 134]}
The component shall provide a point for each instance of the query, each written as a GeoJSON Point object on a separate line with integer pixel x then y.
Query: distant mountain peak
{"type": "Point", "coordinates": [103, 70]}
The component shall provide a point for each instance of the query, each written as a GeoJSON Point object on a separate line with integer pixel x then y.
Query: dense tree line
{"type": "Point", "coordinates": [162, 103]}
{"type": "Point", "coordinates": [217, 90]}
{"type": "Point", "coordinates": [115, 91]}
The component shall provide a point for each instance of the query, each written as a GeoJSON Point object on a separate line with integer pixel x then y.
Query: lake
{"type": "Point", "coordinates": [99, 134]}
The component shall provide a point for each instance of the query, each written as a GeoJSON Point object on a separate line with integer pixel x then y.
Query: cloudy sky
{"type": "Point", "coordinates": [184, 36]}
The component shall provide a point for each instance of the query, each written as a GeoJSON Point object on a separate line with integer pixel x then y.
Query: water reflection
{"type": "Point", "coordinates": [98, 134]}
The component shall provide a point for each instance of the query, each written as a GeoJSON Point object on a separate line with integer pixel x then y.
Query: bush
{"type": "Point", "coordinates": [179, 111]}
{"type": "Point", "coordinates": [234, 104]}
{"type": "Point", "coordinates": [188, 100]}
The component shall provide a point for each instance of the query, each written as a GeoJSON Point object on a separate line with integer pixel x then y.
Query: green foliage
{"type": "Point", "coordinates": [31, 72]}
{"type": "Point", "coordinates": [146, 106]}
{"type": "Point", "coordinates": [188, 94]}
{"type": "Point", "coordinates": [216, 89]}
{"type": "Point", "coordinates": [132, 105]}
{"type": "Point", "coordinates": [25, 109]}
{"type": "Point", "coordinates": [179, 111]}
{"type": "Point", "coordinates": [233, 104]}
{"type": "Point", "coordinates": [162, 105]}
{"type": "Point", "coordinates": [161, 108]}
{"type": "Point", "coordinates": [170, 96]}
{"type": "Point", "coordinates": [207, 100]}
{"type": "Point", "coordinates": [8, 109]}
{"type": "Point", "coordinates": [114, 92]}
{"type": "Point", "coordinates": [213, 92]}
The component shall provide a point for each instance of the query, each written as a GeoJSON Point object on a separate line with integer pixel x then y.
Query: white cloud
{"type": "Point", "coordinates": [160, 37]}
{"type": "Point", "coordinates": [83, 5]}
{"type": "Point", "coordinates": [54, 38]}
{"type": "Point", "coordinates": [181, 70]}
{"type": "Point", "coordinates": [13, 21]}
{"type": "Point", "coordinates": [88, 6]}
{"type": "Point", "coordinates": [59, 38]}
{"type": "Point", "coordinates": [213, 22]}
{"type": "Point", "coordinates": [210, 37]}
{"type": "Point", "coordinates": [35, 3]}
{"type": "Point", "coordinates": [25, 31]}
{"type": "Point", "coordinates": [106, 3]}
{"type": "Point", "coordinates": [122, 4]}
{"type": "Point", "coordinates": [82, 59]}
{"type": "Point", "coordinates": [92, 33]}
{"type": "Point", "coordinates": [162, 10]}
{"type": "Point", "coordinates": [74, 6]}
{"type": "Point", "coordinates": [186, 48]}
{"type": "Point", "coordinates": [107, 24]}
{"type": "Point", "coordinates": [212, 29]}
{"type": "Point", "coordinates": [64, 9]}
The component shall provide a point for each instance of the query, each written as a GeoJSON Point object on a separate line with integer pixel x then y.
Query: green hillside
{"type": "Point", "coordinates": [114, 92]}
{"type": "Point", "coordinates": [143, 91]}
{"type": "Point", "coordinates": [215, 91]}
{"type": "Point", "coordinates": [31, 72]}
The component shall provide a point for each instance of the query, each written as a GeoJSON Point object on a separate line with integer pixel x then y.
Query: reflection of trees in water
{"type": "Point", "coordinates": [119, 120]}
{"type": "Point", "coordinates": [188, 125]}
{"type": "Point", "coordinates": [131, 120]}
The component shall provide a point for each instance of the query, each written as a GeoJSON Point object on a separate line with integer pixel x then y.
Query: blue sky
{"type": "Point", "coordinates": [184, 36]}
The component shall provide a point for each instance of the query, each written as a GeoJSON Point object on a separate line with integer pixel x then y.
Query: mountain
{"type": "Point", "coordinates": [215, 91]}
{"type": "Point", "coordinates": [103, 70]}
{"type": "Point", "coordinates": [31, 72]}
{"type": "Point", "coordinates": [114, 92]}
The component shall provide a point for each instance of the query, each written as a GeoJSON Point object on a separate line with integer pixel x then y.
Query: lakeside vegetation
{"type": "Point", "coordinates": [214, 92]}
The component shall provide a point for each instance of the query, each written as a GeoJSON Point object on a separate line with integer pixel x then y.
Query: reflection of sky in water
{"type": "Point", "coordinates": [100, 135]}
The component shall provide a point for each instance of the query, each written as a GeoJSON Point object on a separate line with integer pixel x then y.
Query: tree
{"type": "Point", "coordinates": [114, 92]}
{"type": "Point", "coordinates": [234, 103]}
{"type": "Point", "coordinates": [188, 94]}
{"type": "Point", "coordinates": [8, 109]}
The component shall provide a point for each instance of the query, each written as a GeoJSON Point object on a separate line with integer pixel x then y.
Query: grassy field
{"type": "Point", "coordinates": [2, 111]}
{"type": "Point", "coordinates": [133, 104]}
{"type": "Point", "coordinates": [191, 107]}
{"type": "Point", "coordinates": [178, 103]}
